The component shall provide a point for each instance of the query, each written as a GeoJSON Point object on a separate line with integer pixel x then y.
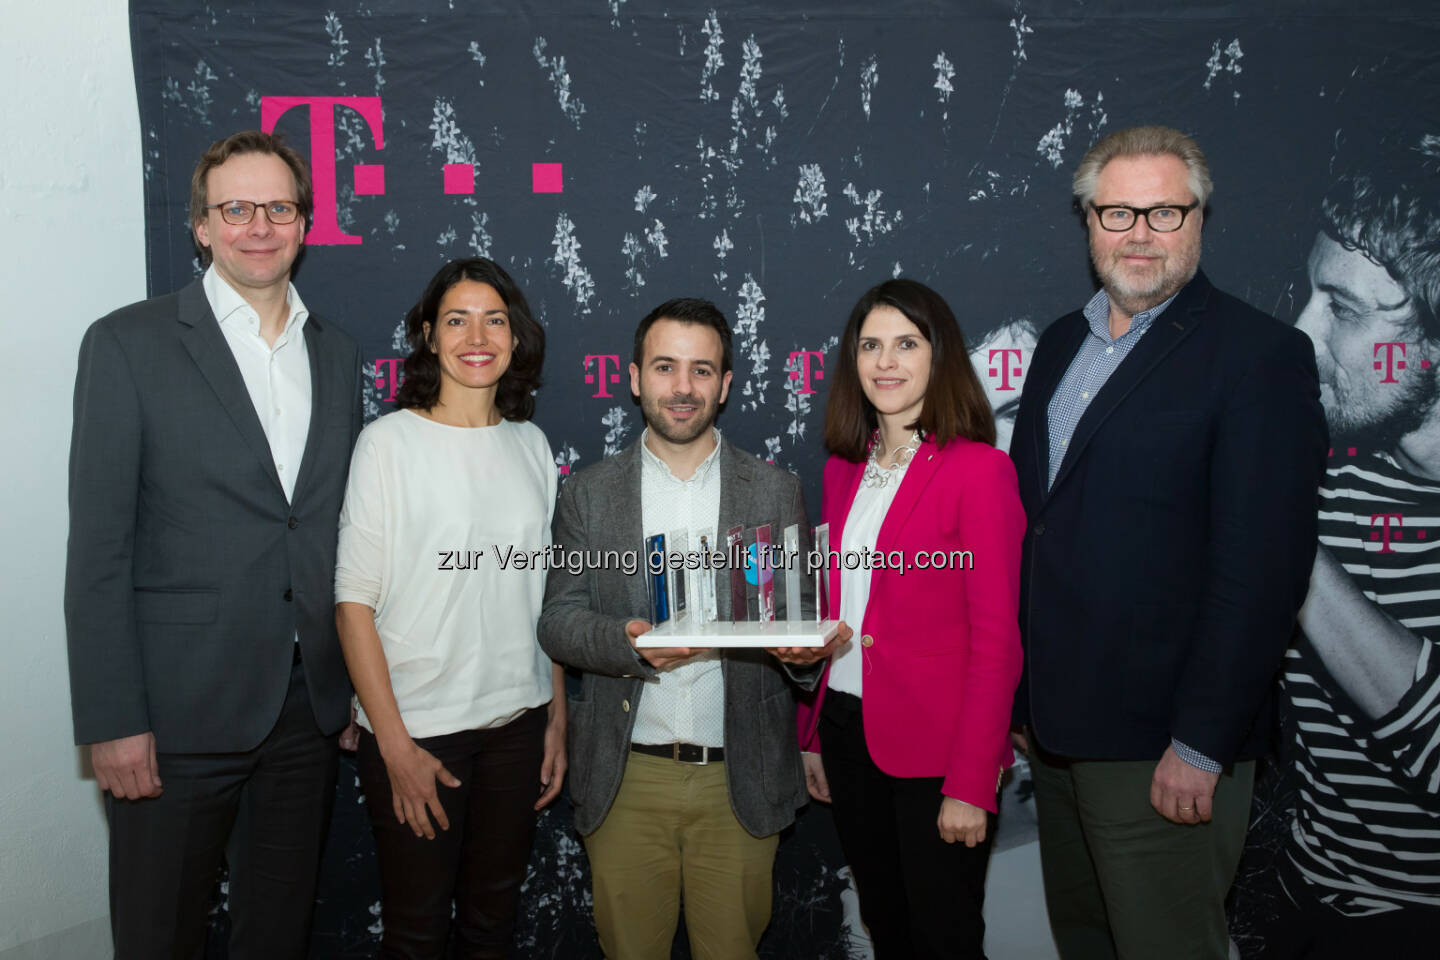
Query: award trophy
{"type": "Point", "coordinates": [679, 546]}
{"type": "Point", "coordinates": [764, 575]}
{"type": "Point", "coordinates": [655, 579]}
{"type": "Point", "coordinates": [822, 571]}
{"type": "Point", "coordinates": [705, 582]}
{"type": "Point", "coordinates": [792, 573]}
{"type": "Point", "coordinates": [675, 628]}
{"type": "Point", "coordinates": [739, 562]}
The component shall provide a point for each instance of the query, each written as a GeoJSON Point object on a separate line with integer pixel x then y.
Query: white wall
{"type": "Point", "coordinates": [71, 249]}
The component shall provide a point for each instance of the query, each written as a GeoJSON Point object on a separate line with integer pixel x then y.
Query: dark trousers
{"type": "Point", "coordinates": [479, 863]}
{"type": "Point", "coordinates": [265, 811]}
{"type": "Point", "coordinates": [1123, 882]}
{"type": "Point", "coordinates": [1306, 929]}
{"type": "Point", "coordinates": [920, 897]}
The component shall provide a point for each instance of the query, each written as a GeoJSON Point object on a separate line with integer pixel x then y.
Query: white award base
{"type": "Point", "coordinates": [689, 632]}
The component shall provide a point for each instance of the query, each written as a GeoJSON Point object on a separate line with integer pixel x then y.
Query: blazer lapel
{"type": "Point", "coordinates": [627, 524]}
{"type": "Point", "coordinates": [1166, 333]}
{"type": "Point", "coordinates": [918, 475]}
{"type": "Point", "coordinates": [200, 334]}
{"type": "Point", "coordinates": [1046, 383]}
{"type": "Point", "coordinates": [321, 380]}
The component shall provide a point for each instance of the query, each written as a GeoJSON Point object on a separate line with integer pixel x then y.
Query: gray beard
{"type": "Point", "coordinates": [1133, 302]}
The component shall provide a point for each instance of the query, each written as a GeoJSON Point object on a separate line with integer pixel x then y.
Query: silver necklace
{"type": "Point", "coordinates": [878, 476]}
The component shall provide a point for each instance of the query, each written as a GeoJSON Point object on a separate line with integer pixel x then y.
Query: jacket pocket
{"type": "Point", "coordinates": [781, 769]}
{"type": "Point", "coordinates": [177, 606]}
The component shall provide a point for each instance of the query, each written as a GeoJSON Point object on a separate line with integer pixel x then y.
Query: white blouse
{"type": "Point", "coordinates": [430, 512]}
{"type": "Point", "coordinates": [861, 531]}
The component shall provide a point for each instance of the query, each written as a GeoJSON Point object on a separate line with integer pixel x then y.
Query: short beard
{"type": "Point", "coordinates": [652, 410]}
{"type": "Point", "coordinates": [1180, 267]}
{"type": "Point", "coordinates": [1412, 412]}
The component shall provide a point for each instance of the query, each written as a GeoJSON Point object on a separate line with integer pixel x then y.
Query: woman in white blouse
{"type": "Point", "coordinates": [462, 715]}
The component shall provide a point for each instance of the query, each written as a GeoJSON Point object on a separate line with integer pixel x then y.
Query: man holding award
{"type": "Point", "coordinates": [683, 763]}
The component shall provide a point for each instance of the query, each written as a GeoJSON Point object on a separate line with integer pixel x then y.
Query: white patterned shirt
{"type": "Point", "coordinates": [687, 705]}
{"type": "Point", "coordinates": [861, 531]}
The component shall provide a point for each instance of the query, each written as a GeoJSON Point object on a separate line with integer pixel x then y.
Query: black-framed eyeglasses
{"type": "Point", "coordinates": [237, 213]}
{"type": "Point", "coordinates": [1163, 218]}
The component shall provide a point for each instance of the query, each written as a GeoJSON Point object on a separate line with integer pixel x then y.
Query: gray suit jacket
{"type": "Point", "coordinates": [188, 575]}
{"type": "Point", "coordinates": [583, 625]}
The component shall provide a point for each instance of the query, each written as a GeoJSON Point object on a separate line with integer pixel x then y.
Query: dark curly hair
{"type": "Point", "coordinates": [514, 396]}
{"type": "Point", "coordinates": [1386, 205]}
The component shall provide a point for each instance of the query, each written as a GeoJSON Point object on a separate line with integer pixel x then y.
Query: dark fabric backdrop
{"type": "Point", "coordinates": [776, 158]}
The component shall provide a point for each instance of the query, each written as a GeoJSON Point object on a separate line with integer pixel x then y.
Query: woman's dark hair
{"type": "Point", "coordinates": [955, 403]}
{"type": "Point", "coordinates": [513, 395]}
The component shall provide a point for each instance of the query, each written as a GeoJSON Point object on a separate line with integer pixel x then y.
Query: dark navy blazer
{"type": "Point", "coordinates": [1163, 570]}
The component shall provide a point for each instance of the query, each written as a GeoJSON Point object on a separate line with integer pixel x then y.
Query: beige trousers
{"type": "Point", "coordinates": [671, 836]}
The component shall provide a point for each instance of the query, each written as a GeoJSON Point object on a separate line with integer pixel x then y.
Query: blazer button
{"type": "Point", "coordinates": [293, 523]}
{"type": "Point", "coordinates": [867, 641]}
{"type": "Point", "coordinates": [289, 595]}
{"type": "Point", "coordinates": [625, 705]}
{"type": "Point", "coordinates": [1039, 529]}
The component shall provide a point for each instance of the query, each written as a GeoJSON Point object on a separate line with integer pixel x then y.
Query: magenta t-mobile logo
{"type": "Point", "coordinates": [1387, 532]}
{"type": "Point", "coordinates": [1003, 370]}
{"type": "Point", "coordinates": [803, 367]}
{"type": "Point", "coordinates": [387, 376]}
{"type": "Point", "coordinates": [369, 177]}
{"type": "Point", "coordinates": [456, 178]}
{"type": "Point", "coordinates": [1392, 364]}
{"type": "Point", "coordinates": [603, 378]}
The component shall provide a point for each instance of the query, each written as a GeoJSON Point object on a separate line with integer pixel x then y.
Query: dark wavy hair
{"type": "Point", "coordinates": [955, 402]}
{"type": "Point", "coordinates": [514, 395]}
{"type": "Point", "coordinates": [1387, 206]}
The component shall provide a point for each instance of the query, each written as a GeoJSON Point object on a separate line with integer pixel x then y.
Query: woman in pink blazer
{"type": "Point", "coordinates": [908, 733]}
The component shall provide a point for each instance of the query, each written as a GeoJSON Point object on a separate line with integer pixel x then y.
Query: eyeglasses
{"type": "Point", "coordinates": [1165, 218]}
{"type": "Point", "coordinates": [237, 213]}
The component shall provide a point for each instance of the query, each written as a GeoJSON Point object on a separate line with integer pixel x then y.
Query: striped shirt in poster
{"type": "Point", "coordinates": [1366, 832]}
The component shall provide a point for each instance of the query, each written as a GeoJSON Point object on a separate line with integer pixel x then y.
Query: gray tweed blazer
{"type": "Point", "coordinates": [583, 626]}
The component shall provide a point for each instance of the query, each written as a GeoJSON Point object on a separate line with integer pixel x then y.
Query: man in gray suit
{"type": "Point", "coordinates": [211, 443]}
{"type": "Point", "coordinates": [684, 765]}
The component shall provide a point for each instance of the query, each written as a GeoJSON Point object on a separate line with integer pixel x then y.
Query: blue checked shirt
{"type": "Point", "coordinates": [1099, 356]}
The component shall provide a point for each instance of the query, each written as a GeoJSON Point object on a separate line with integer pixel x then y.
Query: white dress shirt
{"type": "Point", "coordinates": [687, 705]}
{"type": "Point", "coordinates": [862, 530]}
{"type": "Point", "coordinates": [277, 378]}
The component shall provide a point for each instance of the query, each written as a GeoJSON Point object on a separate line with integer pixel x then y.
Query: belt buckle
{"type": "Point", "coordinates": [704, 755]}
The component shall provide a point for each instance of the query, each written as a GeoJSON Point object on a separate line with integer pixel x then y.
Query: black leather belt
{"type": "Point", "coordinates": [681, 752]}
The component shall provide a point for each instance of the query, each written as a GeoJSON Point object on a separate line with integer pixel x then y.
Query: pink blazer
{"type": "Point", "coordinates": [941, 647]}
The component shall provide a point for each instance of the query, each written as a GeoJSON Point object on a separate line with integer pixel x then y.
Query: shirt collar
{"type": "Point", "coordinates": [231, 308]}
{"type": "Point", "coordinates": [1097, 314]}
{"type": "Point", "coordinates": [662, 469]}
